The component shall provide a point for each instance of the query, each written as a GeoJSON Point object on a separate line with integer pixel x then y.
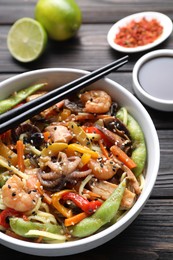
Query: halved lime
{"type": "Point", "coordinates": [26, 39]}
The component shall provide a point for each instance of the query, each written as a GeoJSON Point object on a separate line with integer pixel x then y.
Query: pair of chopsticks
{"type": "Point", "coordinates": [15, 116]}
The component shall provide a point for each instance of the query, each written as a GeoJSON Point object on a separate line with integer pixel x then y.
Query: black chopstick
{"type": "Point", "coordinates": [16, 116]}
{"type": "Point", "coordinates": [16, 111]}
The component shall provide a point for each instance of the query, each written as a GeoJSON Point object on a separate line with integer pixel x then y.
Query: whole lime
{"type": "Point", "coordinates": [60, 18]}
{"type": "Point", "coordinates": [26, 39]}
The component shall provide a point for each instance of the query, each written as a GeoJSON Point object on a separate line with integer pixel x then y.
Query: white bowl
{"type": "Point", "coordinates": [56, 77]}
{"type": "Point", "coordinates": [164, 21]}
{"type": "Point", "coordinates": [152, 79]}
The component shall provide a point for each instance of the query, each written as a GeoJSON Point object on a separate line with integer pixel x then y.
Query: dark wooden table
{"type": "Point", "coordinates": [150, 236]}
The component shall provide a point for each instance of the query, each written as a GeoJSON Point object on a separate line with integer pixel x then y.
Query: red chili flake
{"type": "Point", "coordinates": [139, 33]}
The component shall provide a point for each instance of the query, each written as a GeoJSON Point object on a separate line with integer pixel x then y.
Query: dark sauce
{"type": "Point", "coordinates": [156, 77]}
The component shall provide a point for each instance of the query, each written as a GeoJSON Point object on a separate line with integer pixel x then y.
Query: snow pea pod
{"type": "Point", "coordinates": [21, 227]}
{"type": "Point", "coordinates": [102, 216]}
{"type": "Point", "coordinates": [139, 153]}
{"type": "Point", "coordinates": [18, 97]}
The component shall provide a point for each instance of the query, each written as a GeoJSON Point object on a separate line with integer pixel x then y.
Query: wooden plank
{"type": "Point", "coordinates": [93, 11]}
{"type": "Point", "coordinates": [88, 50]}
{"type": "Point", "coordinates": [164, 183]}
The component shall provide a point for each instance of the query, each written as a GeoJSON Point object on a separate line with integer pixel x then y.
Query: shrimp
{"type": "Point", "coordinates": [20, 194]}
{"type": "Point", "coordinates": [103, 169]}
{"type": "Point", "coordinates": [96, 101]}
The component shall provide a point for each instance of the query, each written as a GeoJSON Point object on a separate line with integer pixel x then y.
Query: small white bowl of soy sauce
{"type": "Point", "coordinates": [153, 79]}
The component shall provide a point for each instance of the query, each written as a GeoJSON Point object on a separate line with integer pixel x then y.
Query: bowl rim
{"type": "Point", "coordinates": [73, 247]}
{"type": "Point", "coordinates": [158, 103]}
{"type": "Point", "coordinates": [165, 21]}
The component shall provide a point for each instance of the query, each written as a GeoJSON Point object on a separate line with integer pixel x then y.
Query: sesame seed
{"type": "Point", "coordinates": [13, 194]}
{"type": "Point", "coordinates": [9, 164]}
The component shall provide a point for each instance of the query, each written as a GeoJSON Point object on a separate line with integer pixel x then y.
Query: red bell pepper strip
{"type": "Point", "coordinates": [6, 214]}
{"type": "Point", "coordinates": [88, 207]}
{"type": "Point", "coordinates": [56, 197]}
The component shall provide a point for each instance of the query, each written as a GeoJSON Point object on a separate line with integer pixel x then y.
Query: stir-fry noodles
{"type": "Point", "coordinates": [70, 171]}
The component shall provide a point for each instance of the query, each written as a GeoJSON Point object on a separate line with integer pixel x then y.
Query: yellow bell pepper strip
{"type": "Point", "coordinates": [85, 158]}
{"type": "Point", "coordinates": [103, 215]}
{"type": "Point", "coordinates": [64, 114]}
{"type": "Point", "coordinates": [56, 203]}
{"type": "Point", "coordinates": [87, 206]}
{"type": "Point", "coordinates": [53, 149]}
{"type": "Point", "coordinates": [83, 149]}
{"type": "Point", "coordinates": [80, 134]}
{"type": "Point", "coordinates": [18, 97]}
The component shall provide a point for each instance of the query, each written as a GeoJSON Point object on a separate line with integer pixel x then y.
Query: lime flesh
{"type": "Point", "coordinates": [26, 39]}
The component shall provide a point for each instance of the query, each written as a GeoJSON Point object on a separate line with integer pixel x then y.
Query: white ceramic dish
{"type": "Point", "coordinates": [56, 77]}
{"type": "Point", "coordinates": [157, 95]}
{"type": "Point", "coordinates": [164, 21]}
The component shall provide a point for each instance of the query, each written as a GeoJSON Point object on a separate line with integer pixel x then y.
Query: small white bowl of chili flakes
{"type": "Point", "coordinates": [139, 32]}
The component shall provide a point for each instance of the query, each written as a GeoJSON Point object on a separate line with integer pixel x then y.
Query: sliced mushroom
{"type": "Point", "coordinates": [74, 107]}
{"type": "Point", "coordinates": [113, 109]}
{"type": "Point", "coordinates": [105, 189]}
{"type": "Point", "coordinates": [31, 134]}
{"type": "Point", "coordinates": [121, 141]}
{"type": "Point", "coordinates": [116, 126]}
